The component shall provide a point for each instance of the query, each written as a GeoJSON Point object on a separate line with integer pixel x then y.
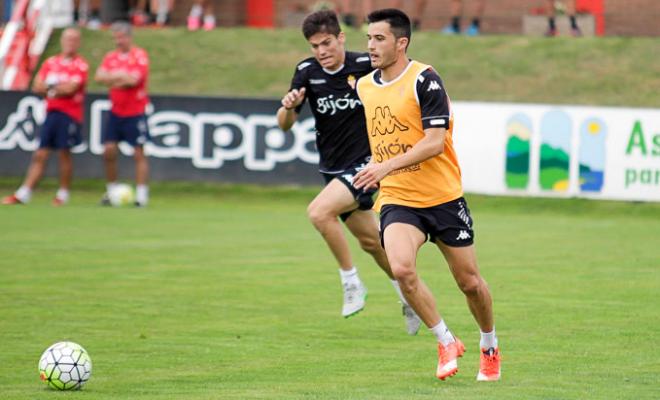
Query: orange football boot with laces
{"type": "Point", "coordinates": [489, 366]}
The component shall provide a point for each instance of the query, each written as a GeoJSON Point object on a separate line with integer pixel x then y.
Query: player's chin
{"type": "Point", "coordinates": [327, 62]}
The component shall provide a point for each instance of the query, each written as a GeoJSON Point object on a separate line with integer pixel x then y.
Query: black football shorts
{"type": "Point", "coordinates": [449, 222]}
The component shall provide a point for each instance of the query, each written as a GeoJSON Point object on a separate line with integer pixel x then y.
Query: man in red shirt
{"type": "Point", "coordinates": [125, 71]}
{"type": "Point", "coordinates": [61, 80]}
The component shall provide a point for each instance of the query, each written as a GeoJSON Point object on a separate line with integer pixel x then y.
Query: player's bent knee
{"type": "Point", "coordinates": [317, 215]}
{"type": "Point", "coordinates": [405, 275]}
{"type": "Point", "coordinates": [370, 245]}
{"type": "Point", "coordinates": [471, 285]}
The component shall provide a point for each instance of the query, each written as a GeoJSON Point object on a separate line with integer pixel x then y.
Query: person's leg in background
{"type": "Point", "coordinates": [162, 9]}
{"type": "Point", "coordinates": [572, 11]}
{"type": "Point", "coordinates": [456, 10]}
{"type": "Point", "coordinates": [475, 26]}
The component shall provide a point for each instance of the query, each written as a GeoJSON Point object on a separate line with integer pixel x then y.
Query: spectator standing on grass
{"type": "Point", "coordinates": [61, 80]}
{"type": "Point", "coordinates": [125, 71]}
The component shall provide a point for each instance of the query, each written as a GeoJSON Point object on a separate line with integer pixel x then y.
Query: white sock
{"type": "Point", "coordinates": [488, 340]}
{"type": "Point", "coordinates": [163, 6]}
{"type": "Point", "coordinates": [442, 333]}
{"type": "Point", "coordinates": [349, 277]}
{"type": "Point", "coordinates": [196, 11]}
{"type": "Point", "coordinates": [209, 20]}
{"type": "Point", "coordinates": [62, 194]}
{"type": "Point", "coordinates": [109, 186]}
{"type": "Point", "coordinates": [397, 288]}
{"type": "Point", "coordinates": [142, 194]}
{"type": "Point", "coordinates": [24, 194]}
{"type": "Point", "coordinates": [161, 17]}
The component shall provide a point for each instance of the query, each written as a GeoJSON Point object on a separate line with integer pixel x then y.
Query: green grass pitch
{"type": "Point", "coordinates": [219, 292]}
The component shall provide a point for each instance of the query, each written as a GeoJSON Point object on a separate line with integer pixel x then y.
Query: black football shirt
{"type": "Point", "coordinates": [341, 132]}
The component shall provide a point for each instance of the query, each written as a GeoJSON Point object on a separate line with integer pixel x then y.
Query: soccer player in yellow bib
{"type": "Point", "coordinates": [409, 124]}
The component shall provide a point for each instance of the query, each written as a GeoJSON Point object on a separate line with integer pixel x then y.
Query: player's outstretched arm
{"type": "Point", "coordinates": [287, 115]}
{"type": "Point", "coordinates": [431, 145]}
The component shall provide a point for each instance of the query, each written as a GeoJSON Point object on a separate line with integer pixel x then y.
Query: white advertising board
{"type": "Point", "coordinates": [565, 151]}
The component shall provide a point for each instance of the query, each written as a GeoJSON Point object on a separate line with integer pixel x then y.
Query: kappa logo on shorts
{"type": "Point", "coordinates": [348, 178]}
{"type": "Point", "coordinates": [463, 235]}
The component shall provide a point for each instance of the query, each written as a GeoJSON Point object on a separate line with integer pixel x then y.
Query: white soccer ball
{"type": "Point", "coordinates": [65, 366]}
{"type": "Point", "coordinates": [121, 195]}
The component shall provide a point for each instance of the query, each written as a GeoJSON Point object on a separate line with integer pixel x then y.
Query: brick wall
{"type": "Point", "coordinates": [622, 17]}
{"type": "Point", "coordinates": [632, 17]}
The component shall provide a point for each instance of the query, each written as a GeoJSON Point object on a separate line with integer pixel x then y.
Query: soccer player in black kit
{"type": "Point", "coordinates": [328, 81]}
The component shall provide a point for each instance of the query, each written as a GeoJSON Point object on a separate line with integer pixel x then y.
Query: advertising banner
{"type": "Point", "coordinates": [193, 138]}
{"type": "Point", "coordinates": [504, 149]}
{"type": "Point", "coordinates": [566, 151]}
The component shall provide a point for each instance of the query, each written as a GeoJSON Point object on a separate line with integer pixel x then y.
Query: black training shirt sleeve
{"type": "Point", "coordinates": [433, 100]}
{"type": "Point", "coordinates": [299, 81]}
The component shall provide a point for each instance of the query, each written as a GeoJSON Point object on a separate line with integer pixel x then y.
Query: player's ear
{"type": "Point", "coordinates": [342, 38]}
{"type": "Point", "coordinates": [402, 44]}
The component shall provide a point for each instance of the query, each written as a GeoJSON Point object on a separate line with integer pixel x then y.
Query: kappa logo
{"type": "Point", "coordinates": [208, 140]}
{"type": "Point", "coordinates": [20, 129]}
{"type": "Point", "coordinates": [349, 178]}
{"type": "Point", "coordinates": [463, 235]}
{"type": "Point", "coordinates": [385, 123]}
{"type": "Point", "coordinates": [434, 85]}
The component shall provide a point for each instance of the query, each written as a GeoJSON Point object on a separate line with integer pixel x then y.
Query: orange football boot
{"type": "Point", "coordinates": [489, 366]}
{"type": "Point", "coordinates": [447, 359]}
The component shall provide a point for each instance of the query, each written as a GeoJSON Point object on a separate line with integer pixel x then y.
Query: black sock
{"type": "Point", "coordinates": [456, 23]}
{"type": "Point", "coordinates": [551, 23]}
{"type": "Point", "coordinates": [476, 22]}
{"type": "Point", "coordinates": [573, 22]}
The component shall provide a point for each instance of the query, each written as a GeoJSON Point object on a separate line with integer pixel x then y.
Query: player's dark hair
{"type": "Point", "coordinates": [324, 21]}
{"type": "Point", "coordinates": [398, 20]}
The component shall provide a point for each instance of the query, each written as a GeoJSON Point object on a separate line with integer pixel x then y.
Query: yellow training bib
{"type": "Point", "coordinates": [394, 126]}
